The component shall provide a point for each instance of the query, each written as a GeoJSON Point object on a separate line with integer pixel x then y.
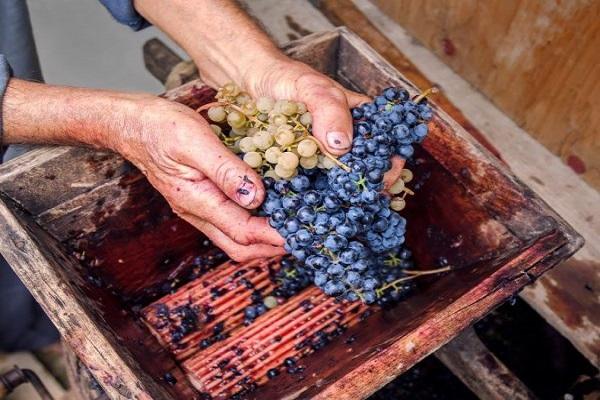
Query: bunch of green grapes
{"type": "Point", "coordinates": [274, 136]}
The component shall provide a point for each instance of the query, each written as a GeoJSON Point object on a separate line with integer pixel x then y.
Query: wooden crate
{"type": "Point", "coordinates": [90, 237]}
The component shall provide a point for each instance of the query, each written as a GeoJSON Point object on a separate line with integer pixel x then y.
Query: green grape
{"type": "Point", "coordinates": [271, 174]}
{"type": "Point", "coordinates": [247, 145]}
{"type": "Point", "coordinates": [283, 172]}
{"type": "Point", "coordinates": [249, 108]}
{"type": "Point", "coordinates": [326, 162]}
{"type": "Point", "coordinates": [285, 137]}
{"type": "Point", "coordinates": [277, 119]}
{"type": "Point", "coordinates": [309, 162]}
{"type": "Point", "coordinates": [238, 132]}
{"type": "Point", "coordinates": [262, 117]}
{"type": "Point", "coordinates": [307, 148]}
{"type": "Point", "coordinates": [236, 119]}
{"type": "Point", "coordinates": [301, 108]}
{"type": "Point", "coordinates": [406, 175]}
{"type": "Point", "coordinates": [288, 160]}
{"type": "Point", "coordinates": [306, 119]}
{"type": "Point", "coordinates": [252, 131]}
{"type": "Point", "coordinates": [263, 140]}
{"type": "Point", "coordinates": [216, 129]}
{"type": "Point", "coordinates": [272, 154]}
{"type": "Point", "coordinates": [397, 204]}
{"type": "Point", "coordinates": [231, 89]}
{"type": "Point", "coordinates": [243, 98]}
{"type": "Point", "coordinates": [217, 114]}
{"type": "Point", "coordinates": [397, 187]}
{"type": "Point", "coordinates": [253, 159]}
{"type": "Point", "coordinates": [289, 108]}
{"type": "Point", "coordinates": [265, 105]}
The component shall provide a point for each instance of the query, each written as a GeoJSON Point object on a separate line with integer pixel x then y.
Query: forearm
{"type": "Point", "coordinates": [221, 39]}
{"type": "Point", "coordinates": [37, 113]}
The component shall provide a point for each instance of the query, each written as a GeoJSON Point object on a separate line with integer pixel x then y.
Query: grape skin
{"type": "Point", "coordinates": [338, 224]}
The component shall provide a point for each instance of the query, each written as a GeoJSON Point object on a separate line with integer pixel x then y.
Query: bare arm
{"type": "Point", "coordinates": [227, 45]}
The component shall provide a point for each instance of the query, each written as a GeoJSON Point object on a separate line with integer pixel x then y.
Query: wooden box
{"type": "Point", "coordinates": [93, 241]}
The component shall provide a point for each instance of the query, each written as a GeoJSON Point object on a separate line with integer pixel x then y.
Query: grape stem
{"type": "Point", "coordinates": [412, 275]}
{"type": "Point", "coordinates": [209, 105]}
{"type": "Point", "coordinates": [431, 90]}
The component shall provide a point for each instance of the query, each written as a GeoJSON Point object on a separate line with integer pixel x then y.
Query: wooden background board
{"type": "Point", "coordinates": [537, 60]}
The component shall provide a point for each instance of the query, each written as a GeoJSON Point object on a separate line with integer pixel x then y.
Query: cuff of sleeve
{"type": "Point", "coordinates": [5, 75]}
{"type": "Point", "coordinates": [124, 12]}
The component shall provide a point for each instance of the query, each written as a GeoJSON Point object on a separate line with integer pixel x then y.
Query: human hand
{"type": "Point", "coordinates": [204, 183]}
{"type": "Point", "coordinates": [328, 101]}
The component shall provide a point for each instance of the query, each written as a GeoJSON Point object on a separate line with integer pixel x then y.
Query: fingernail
{"type": "Point", "coordinates": [338, 140]}
{"type": "Point", "coordinates": [246, 192]}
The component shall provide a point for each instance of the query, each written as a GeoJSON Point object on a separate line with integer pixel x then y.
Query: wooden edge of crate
{"type": "Point", "coordinates": [35, 258]}
{"type": "Point", "coordinates": [384, 364]}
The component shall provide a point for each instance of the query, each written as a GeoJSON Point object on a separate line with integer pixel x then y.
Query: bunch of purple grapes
{"type": "Point", "coordinates": [339, 223]}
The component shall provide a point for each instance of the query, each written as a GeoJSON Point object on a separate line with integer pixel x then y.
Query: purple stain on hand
{"type": "Point", "coordinates": [246, 192]}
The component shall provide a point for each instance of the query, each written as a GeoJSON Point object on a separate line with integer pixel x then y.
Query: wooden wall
{"type": "Point", "coordinates": [538, 60]}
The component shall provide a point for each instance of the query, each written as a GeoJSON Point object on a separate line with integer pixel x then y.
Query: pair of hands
{"type": "Point", "coordinates": [200, 178]}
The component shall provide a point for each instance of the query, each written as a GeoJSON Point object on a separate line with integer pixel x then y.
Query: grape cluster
{"type": "Point", "coordinates": [336, 219]}
{"type": "Point", "coordinates": [272, 136]}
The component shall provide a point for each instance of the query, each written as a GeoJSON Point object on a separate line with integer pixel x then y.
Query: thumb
{"type": "Point", "coordinates": [332, 122]}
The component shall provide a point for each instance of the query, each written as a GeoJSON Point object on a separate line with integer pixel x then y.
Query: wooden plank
{"type": "Point", "coordinates": [159, 59]}
{"type": "Point", "coordinates": [482, 372]}
{"type": "Point", "coordinates": [41, 265]}
{"type": "Point", "coordinates": [568, 296]}
{"type": "Point", "coordinates": [536, 60]}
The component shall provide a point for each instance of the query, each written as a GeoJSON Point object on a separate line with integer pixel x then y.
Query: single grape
{"type": "Point", "coordinates": [272, 154]}
{"type": "Point", "coordinates": [265, 104]}
{"type": "Point", "coordinates": [406, 175]}
{"type": "Point", "coordinates": [253, 159]}
{"type": "Point", "coordinates": [236, 119]}
{"type": "Point", "coordinates": [307, 148]}
{"type": "Point", "coordinates": [247, 145]}
{"type": "Point", "coordinates": [263, 140]}
{"type": "Point", "coordinates": [305, 119]}
{"type": "Point", "coordinates": [288, 160]}
{"type": "Point", "coordinates": [397, 204]}
{"type": "Point", "coordinates": [216, 129]}
{"type": "Point", "coordinates": [285, 137]}
{"type": "Point", "coordinates": [217, 114]}
{"type": "Point", "coordinates": [309, 162]}
{"type": "Point", "coordinates": [284, 172]}
{"type": "Point", "coordinates": [397, 187]}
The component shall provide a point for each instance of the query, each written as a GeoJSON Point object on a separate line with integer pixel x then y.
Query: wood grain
{"type": "Point", "coordinates": [537, 60]}
{"type": "Point", "coordinates": [480, 370]}
{"type": "Point", "coordinates": [571, 289]}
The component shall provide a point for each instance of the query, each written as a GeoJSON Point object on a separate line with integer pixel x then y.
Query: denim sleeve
{"type": "Point", "coordinates": [5, 74]}
{"type": "Point", "coordinates": [124, 12]}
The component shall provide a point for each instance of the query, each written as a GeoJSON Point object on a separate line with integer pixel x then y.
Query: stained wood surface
{"type": "Point", "coordinates": [537, 60]}
{"type": "Point", "coordinates": [427, 321]}
{"type": "Point", "coordinates": [482, 372]}
{"type": "Point", "coordinates": [566, 297]}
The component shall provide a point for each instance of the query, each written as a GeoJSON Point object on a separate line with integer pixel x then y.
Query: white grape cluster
{"type": "Point", "coordinates": [272, 135]}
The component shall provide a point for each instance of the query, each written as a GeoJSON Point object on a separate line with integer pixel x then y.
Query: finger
{"type": "Point", "coordinates": [234, 250]}
{"type": "Point", "coordinates": [332, 123]}
{"type": "Point", "coordinates": [356, 99]}
{"type": "Point", "coordinates": [205, 152]}
{"type": "Point", "coordinates": [394, 173]}
{"type": "Point", "coordinates": [205, 200]}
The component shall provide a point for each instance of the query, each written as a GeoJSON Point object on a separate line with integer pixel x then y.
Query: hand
{"type": "Point", "coordinates": [204, 183]}
{"type": "Point", "coordinates": [327, 100]}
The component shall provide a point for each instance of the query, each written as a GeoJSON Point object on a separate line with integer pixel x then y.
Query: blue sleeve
{"type": "Point", "coordinates": [124, 12]}
{"type": "Point", "coordinates": [5, 74]}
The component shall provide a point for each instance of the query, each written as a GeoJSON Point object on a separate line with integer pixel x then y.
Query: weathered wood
{"type": "Point", "coordinates": [345, 13]}
{"type": "Point", "coordinates": [159, 59]}
{"type": "Point", "coordinates": [83, 386]}
{"type": "Point", "coordinates": [42, 266]}
{"type": "Point", "coordinates": [505, 237]}
{"type": "Point", "coordinates": [567, 297]}
{"type": "Point", "coordinates": [482, 372]}
{"type": "Point", "coordinates": [536, 60]}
